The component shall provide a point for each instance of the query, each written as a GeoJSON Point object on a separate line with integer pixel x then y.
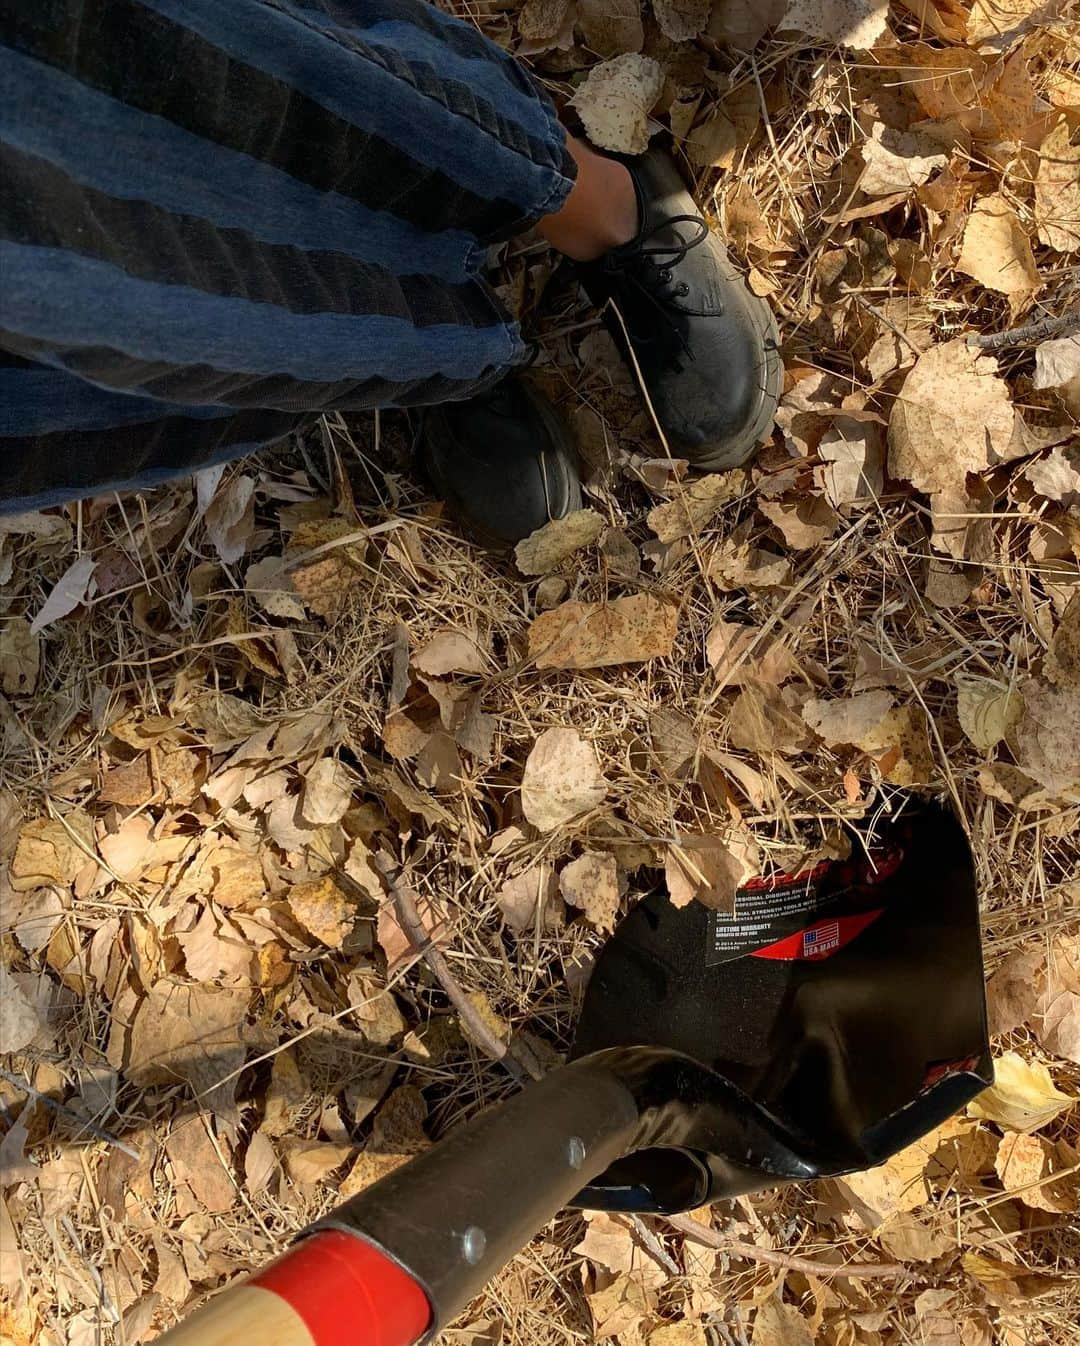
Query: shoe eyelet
{"type": "Point", "coordinates": [665, 276]}
{"type": "Point", "coordinates": [682, 289]}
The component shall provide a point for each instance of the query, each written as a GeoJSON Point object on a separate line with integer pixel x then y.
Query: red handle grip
{"type": "Point", "coordinates": [333, 1289]}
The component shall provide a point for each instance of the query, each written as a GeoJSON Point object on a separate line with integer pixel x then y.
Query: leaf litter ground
{"type": "Point", "coordinates": [259, 727]}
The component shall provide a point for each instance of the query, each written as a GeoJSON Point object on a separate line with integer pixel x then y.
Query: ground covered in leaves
{"type": "Point", "coordinates": [233, 709]}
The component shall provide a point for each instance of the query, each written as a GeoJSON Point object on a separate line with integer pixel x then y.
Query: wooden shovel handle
{"type": "Point", "coordinates": [333, 1289]}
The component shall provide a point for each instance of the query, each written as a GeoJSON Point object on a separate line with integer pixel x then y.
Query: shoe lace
{"type": "Point", "coordinates": [648, 266]}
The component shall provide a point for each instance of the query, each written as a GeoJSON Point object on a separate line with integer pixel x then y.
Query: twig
{"type": "Point", "coordinates": [98, 1132]}
{"type": "Point", "coordinates": [1031, 332]}
{"type": "Point", "coordinates": [883, 318]}
{"type": "Point", "coordinates": [653, 1246]}
{"type": "Point", "coordinates": [776, 1258]}
{"type": "Point", "coordinates": [422, 943]}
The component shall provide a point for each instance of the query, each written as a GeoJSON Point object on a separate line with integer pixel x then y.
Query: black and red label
{"type": "Point", "coordinates": [806, 916]}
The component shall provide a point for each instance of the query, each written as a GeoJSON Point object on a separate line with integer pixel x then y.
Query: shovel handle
{"type": "Point", "coordinates": [333, 1289]}
{"type": "Point", "coordinates": [394, 1264]}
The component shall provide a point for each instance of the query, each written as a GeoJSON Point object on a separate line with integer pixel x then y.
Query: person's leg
{"type": "Point", "coordinates": [601, 211]}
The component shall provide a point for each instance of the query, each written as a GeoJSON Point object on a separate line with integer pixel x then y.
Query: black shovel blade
{"type": "Point", "coordinates": [835, 1016]}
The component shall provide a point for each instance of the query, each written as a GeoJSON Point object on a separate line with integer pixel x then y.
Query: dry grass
{"type": "Point", "coordinates": [109, 1248]}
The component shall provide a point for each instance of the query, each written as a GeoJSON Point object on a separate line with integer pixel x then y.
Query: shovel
{"type": "Point", "coordinates": [834, 1017]}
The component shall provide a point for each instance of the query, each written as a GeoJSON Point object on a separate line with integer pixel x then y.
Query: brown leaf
{"type": "Point", "coordinates": [20, 657]}
{"type": "Point", "coordinates": [591, 883]}
{"type": "Point", "coordinates": [530, 894]}
{"type": "Point", "coordinates": [323, 909]}
{"type": "Point", "coordinates": [1062, 663]}
{"type": "Point", "coordinates": [952, 416]}
{"type": "Point", "coordinates": [849, 23]}
{"type": "Point", "coordinates": [325, 579]}
{"type": "Point", "coordinates": [561, 779]}
{"type": "Point", "coordinates": [611, 27]}
{"type": "Point", "coordinates": [681, 20]}
{"type": "Point", "coordinates": [183, 1032]}
{"type": "Point", "coordinates": [849, 720]}
{"type": "Point", "coordinates": [450, 651]}
{"type": "Point", "coordinates": [1015, 990]}
{"type": "Point", "coordinates": [762, 722]}
{"type": "Point", "coordinates": [1048, 735]}
{"type": "Point", "coordinates": [129, 783]}
{"type": "Point", "coordinates": [327, 792]}
{"type": "Point", "coordinates": [803, 523]}
{"type": "Point", "coordinates": [1059, 1031]}
{"type": "Point", "coordinates": [1006, 1284]}
{"type": "Point", "coordinates": [780, 1324]}
{"type": "Point", "coordinates": [897, 161]}
{"type": "Point", "coordinates": [558, 540]}
{"type": "Point", "coordinates": [627, 630]}
{"type": "Point", "coordinates": [995, 250]}
{"type": "Point", "coordinates": [230, 519]}
{"type": "Point", "coordinates": [196, 1163]}
{"type": "Point", "coordinates": [695, 505]}
{"type": "Point", "coordinates": [618, 1308]}
{"type": "Point", "coordinates": [313, 1161]}
{"type": "Point", "coordinates": [736, 564]}
{"type": "Point", "coordinates": [48, 851]}
{"type": "Point", "coordinates": [909, 1239]}
{"type": "Point", "coordinates": [709, 869]}
{"type": "Point", "coordinates": [1057, 190]}
{"type": "Point", "coordinates": [1032, 1167]}
{"type": "Point", "coordinates": [900, 746]}
{"type": "Point", "coordinates": [20, 1022]}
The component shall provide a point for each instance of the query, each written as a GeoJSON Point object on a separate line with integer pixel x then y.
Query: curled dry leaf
{"type": "Point", "coordinates": [591, 883]}
{"type": "Point", "coordinates": [450, 651]}
{"type": "Point", "coordinates": [695, 505]}
{"type": "Point", "coordinates": [1023, 1096]}
{"type": "Point", "coordinates": [737, 564]}
{"type": "Point", "coordinates": [849, 23]}
{"type": "Point", "coordinates": [547, 548]}
{"type": "Point", "coordinates": [709, 869]}
{"type": "Point", "coordinates": [230, 519]}
{"type": "Point", "coordinates": [562, 779]}
{"type": "Point", "coordinates": [615, 99]}
{"type": "Point", "coordinates": [896, 161]}
{"type": "Point", "coordinates": [20, 1022]}
{"type": "Point", "coordinates": [1059, 1031]}
{"type": "Point", "coordinates": [995, 250]}
{"type": "Point", "coordinates": [627, 630]}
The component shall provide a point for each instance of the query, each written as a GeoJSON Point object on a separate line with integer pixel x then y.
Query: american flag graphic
{"type": "Point", "coordinates": [821, 938]}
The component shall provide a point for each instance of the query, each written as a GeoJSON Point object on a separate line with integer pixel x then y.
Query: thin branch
{"type": "Point", "coordinates": [774, 1257]}
{"type": "Point", "coordinates": [1029, 334]}
{"type": "Point", "coordinates": [409, 919]}
{"type": "Point", "coordinates": [98, 1132]}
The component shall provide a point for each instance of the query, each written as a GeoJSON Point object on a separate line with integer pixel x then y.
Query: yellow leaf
{"type": "Point", "coordinates": [1023, 1097]}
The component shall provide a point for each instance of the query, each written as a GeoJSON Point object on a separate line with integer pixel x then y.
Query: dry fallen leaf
{"type": "Point", "coordinates": [849, 720]}
{"type": "Point", "coordinates": [618, 1308]}
{"type": "Point", "coordinates": [779, 1324]}
{"type": "Point", "coordinates": [898, 160]}
{"type": "Point", "coordinates": [695, 505]}
{"type": "Point", "coordinates": [1005, 1283]}
{"type": "Point", "coordinates": [71, 589]}
{"type": "Point", "coordinates": [449, 651]}
{"type": "Point", "coordinates": [20, 1022]}
{"type": "Point", "coordinates": [709, 869]}
{"type": "Point", "coordinates": [951, 417]}
{"type": "Point", "coordinates": [1057, 190]}
{"type": "Point", "coordinates": [902, 1183]}
{"type": "Point", "coordinates": [547, 548]}
{"type": "Point", "coordinates": [910, 1239]}
{"type": "Point", "coordinates": [761, 721]}
{"type": "Point", "coordinates": [1015, 990]}
{"type": "Point", "coordinates": [20, 657]}
{"type": "Point", "coordinates": [853, 461]}
{"type": "Point", "coordinates": [1048, 735]}
{"type": "Point", "coordinates": [1032, 1168]}
{"type": "Point", "coordinates": [900, 746]}
{"type": "Point", "coordinates": [611, 27]}
{"type": "Point", "coordinates": [1057, 476]}
{"type": "Point", "coordinates": [230, 519]}
{"type": "Point", "coordinates": [1057, 362]}
{"type": "Point", "coordinates": [51, 850]}
{"type": "Point", "coordinates": [323, 909]}
{"type": "Point", "coordinates": [995, 250]}
{"type": "Point", "coordinates": [804, 522]}
{"type": "Point", "coordinates": [596, 635]}
{"type": "Point", "coordinates": [987, 711]}
{"type": "Point", "coordinates": [591, 883]}
{"type": "Point", "coordinates": [1023, 1097]}
{"type": "Point", "coordinates": [527, 895]}
{"type": "Point", "coordinates": [312, 1161]}
{"type": "Point", "coordinates": [1059, 1031]}
{"type": "Point", "coordinates": [849, 23]}
{"type": "Point", "coordinates": [681, 20]}
{"type": "Point", "coordinates": [615, 99]}
{"type": "Point", "coordinates": [562, 779]}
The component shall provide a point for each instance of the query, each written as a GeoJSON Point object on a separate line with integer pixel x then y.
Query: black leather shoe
{"type": "Point", "coordinates": [708, 349]}
{"type": "Point", "coordinates": [503, 461]}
